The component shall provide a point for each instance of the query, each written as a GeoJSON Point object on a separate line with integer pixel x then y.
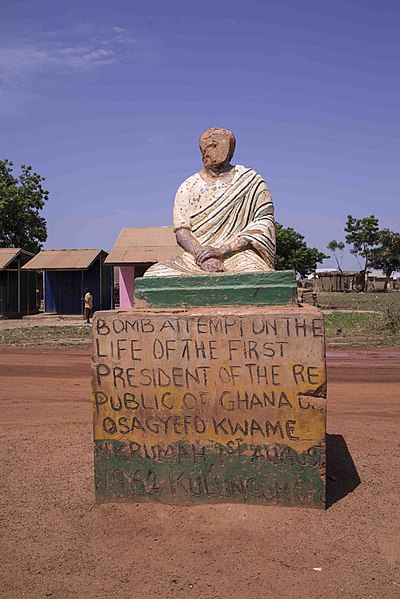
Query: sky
{"type": "Point", "coordinates": [107, 100]}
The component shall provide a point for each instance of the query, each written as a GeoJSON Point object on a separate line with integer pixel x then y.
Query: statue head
{"type": "Point", "coordinates": [217, 147]}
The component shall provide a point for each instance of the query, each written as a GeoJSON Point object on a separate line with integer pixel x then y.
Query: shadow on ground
{"type": "Point", "coordinates": [341, 474]}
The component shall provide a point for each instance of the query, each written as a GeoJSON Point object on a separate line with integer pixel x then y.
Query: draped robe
{"type": "Point", "coordinates": [239, 207]}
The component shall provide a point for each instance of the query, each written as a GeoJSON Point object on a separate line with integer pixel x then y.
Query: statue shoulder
{"type": "Point", "coordinates": [256, 179]}
{"type": "Point", "coordinates": [240, 170]}
{"type": "Point", "coordinates": [187, 185]}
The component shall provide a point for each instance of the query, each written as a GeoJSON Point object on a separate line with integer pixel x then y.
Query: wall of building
{"type": "Point", "coordinates": [17, 291]}
{"type": "Point", "coordinates": [64, 289]}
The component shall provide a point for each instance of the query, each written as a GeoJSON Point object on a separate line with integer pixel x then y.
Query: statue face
{"type": "Point", "coordinates": [215, 149]}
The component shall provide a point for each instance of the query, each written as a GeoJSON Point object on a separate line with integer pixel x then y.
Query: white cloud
{"type": "Point", "coordinates": [29, 59]}
{"type": "Point", "coordinates": [83, 57]}
{"type": "Point", "coordinates": [84, 47]}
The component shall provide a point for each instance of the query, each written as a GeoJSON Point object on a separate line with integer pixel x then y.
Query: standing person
{"type": "Point", "coordinates": [88, 305]}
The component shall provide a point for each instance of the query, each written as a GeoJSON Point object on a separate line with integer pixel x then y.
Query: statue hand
{"type": "Point", "coordinates": [206, 252]}
{"type": "Point", "coordinates": [213, 265]}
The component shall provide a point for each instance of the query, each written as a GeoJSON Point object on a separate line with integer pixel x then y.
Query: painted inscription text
{"type": "Point", "coordinates": [233, 389]}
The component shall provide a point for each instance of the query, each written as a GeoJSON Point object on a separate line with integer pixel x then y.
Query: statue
{"type": "Point", "coordinates": [223, 216]}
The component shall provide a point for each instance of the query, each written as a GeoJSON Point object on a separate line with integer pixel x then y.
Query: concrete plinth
{"type": "Point", "coordinates": [206, 405]}
{"type": "Point", "coordinates": [240, 289]}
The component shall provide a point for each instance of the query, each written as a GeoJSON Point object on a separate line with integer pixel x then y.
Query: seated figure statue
{"type": "Point", "coordinates": [223, 216]}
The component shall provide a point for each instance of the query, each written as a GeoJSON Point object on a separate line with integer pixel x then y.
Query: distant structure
{"type": "Point", "coordinates": [17, 288]}
{"type": "Point", "coordinates": [336, 280]}
{"type": "Point", "coordinates": [135, 250]}
{"type": "Point", "coordinates": [377, 281]}
{"type": "Point", "coordinates": [67, 273]}
{"type": "Point", "coordinates": [349, 280]}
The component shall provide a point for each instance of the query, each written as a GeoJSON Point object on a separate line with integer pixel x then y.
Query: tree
{"type": "Point", "coordinates": [21, 200]}
{"type": "Point", "coordinates": [363, 235]}
{"type": "Point", "coordinates": [292, 252]}
{"type": "Point", "coordinates": [336, 247]}
{"type": "Point", "coordinates": [387, 255]}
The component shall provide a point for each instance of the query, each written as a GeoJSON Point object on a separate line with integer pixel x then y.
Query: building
{"type": "Point", "coordinates": [135, 250]}
{"type": "Point", "coordinates": [67, 273]}
{"type": "Point", "coordinates": [336, 280]}
{"type": "Point", "coordinates": [377, 281]}
{"type": "Point", "coordinates": [17, 288]}
{"type": "Point", "coordinates": [348, 280]}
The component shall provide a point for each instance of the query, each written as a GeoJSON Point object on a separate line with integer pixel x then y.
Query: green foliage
{"type": "Point", "coordinates": [335, 245]}
{"type": "Point", "coordinates": [337, 249]}
{"type": "Point", "coordinates": [363, 236]}
{"type": "Point", "coordinates": [21, 200]}
{"type": "Point", "coordinates": [387, 255]}
{"type": "Point", "coordinates": [292, 252]}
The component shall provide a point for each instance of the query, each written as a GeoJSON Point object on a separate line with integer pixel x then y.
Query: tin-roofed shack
{"type": "Point", "coordinates": [135, 250]}
{"type": "Point", "coordinates": [378, 281]}
{"type": "Point", "coordinates": [336, 280]}
{"type": "Point", "coordinates": [67, 273]}
{"type": "Point", "coordinates": [17, 288]}
{"type": "Point", "coordinates": [348, 280]}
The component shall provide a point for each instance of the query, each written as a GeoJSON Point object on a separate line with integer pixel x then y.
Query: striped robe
{"type": "Point", "coordinates": [243, 209]}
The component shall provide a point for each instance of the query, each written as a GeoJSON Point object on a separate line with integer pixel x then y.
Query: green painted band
{"type": "Point", "coordinates": [274, 288]}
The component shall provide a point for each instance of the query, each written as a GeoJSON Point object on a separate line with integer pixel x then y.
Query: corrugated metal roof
{"type": "Point", "coordinates": [62, 260]}
{"type": "Point", "coordinates": [7, 255]}
{"type": "Point", "coordinates": [150, 244]}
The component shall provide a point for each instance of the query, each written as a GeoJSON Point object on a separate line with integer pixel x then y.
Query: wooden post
{"type": "Point", "coordinates": [101, 283]}
{"type": "Point", "coordinates": [19, 286]}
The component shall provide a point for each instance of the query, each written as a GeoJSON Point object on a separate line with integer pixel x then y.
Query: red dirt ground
{"type": "Point", "coordinates": [55, 542]}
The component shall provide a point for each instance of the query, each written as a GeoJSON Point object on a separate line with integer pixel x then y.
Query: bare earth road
{"type": "Point", "coordinates": [55, 542]}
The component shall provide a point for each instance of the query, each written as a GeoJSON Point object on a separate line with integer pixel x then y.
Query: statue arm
{"type": "Point", "coordinates": [184, 236]}
{"type": "Point", "coordinates": [191, 244]}
{"type": "Point", "coordinates": [238, 244]}
{"type": "Point", "coordinates": [187, 240]}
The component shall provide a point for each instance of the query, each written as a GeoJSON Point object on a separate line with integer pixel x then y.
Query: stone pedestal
{"type": "Point", "coordinates": [206, 405]}
{"type": "Point", "coordinates": [239, 289]}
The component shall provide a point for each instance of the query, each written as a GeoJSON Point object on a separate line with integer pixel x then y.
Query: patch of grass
{"type": "Point", "coordinates": [358, 301]}
{"type": "Point", "coordinates": [361, 329]}
{"type": "Point", "coordinates": [61, 335]}
{"type": "Point", "coordinates": [361, 319]}
{"type": "Point", "coordinates": [379, 328]}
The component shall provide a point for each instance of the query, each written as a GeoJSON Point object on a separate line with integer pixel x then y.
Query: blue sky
{"type": "Point", "coordinates": [108, 99]}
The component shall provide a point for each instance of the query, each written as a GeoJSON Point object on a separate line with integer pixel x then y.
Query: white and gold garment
{"type": "Point", "coordinates": [238, 205]}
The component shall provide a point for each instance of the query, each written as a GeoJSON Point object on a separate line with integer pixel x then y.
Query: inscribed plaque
{"type": "Point", "coordinates": [210, 405]}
